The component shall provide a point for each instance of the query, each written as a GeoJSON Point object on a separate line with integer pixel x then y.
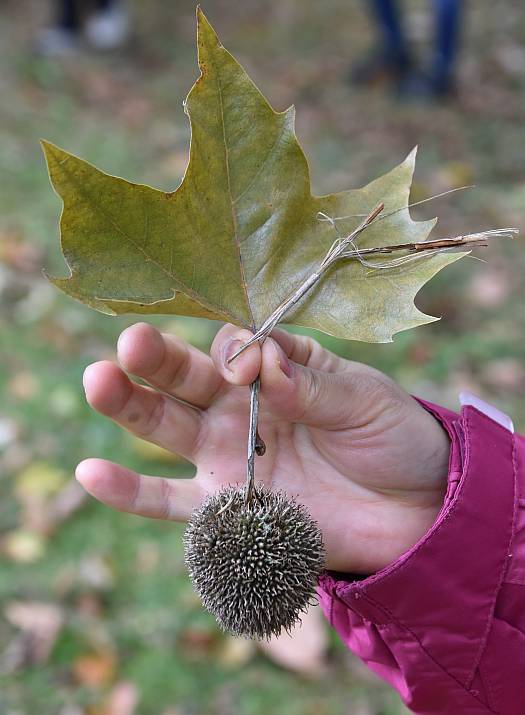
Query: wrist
{"type": "Point", "coordinates": [397, 518]}
{"type": "Point", "coordinates": [433, 449]}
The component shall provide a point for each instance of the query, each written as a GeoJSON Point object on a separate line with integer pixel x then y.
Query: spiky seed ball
{"type": "Point", "coordinates": [254, 566]}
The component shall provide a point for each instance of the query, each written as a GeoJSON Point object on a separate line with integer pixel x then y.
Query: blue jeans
{"type": "Point", "coordinates": [68, 15]}
{"type": "Point", "coordinates": [447, 15]}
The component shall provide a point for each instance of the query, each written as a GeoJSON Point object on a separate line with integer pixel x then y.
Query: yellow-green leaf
{"type": "Point", "coordinates": [241, 232]}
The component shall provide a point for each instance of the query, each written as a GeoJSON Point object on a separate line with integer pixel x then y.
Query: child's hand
{"type": "Point", "coordinates": [368, 462]}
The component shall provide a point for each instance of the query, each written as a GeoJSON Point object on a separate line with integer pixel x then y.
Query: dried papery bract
{"type": "Point", "coordinates": [255, 564]}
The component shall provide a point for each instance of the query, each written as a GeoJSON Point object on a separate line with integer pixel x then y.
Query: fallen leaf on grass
{"type": "Point", "coordinates": [39, 479]}
{"type": "Point", "coordinates": [23, 256]}
{"type": "Point", "coordinates": [122, 700]}
{"type": "Point", "coordinates": [197, 642]}
{"type": "Point", "coordinates": [40, 624]}
{"type": "Point", "coordinates": [235, 652]}
{"type": "Point", "coordinates": [24, 385]}
{"type": "Point", "coordinates": [95, 669]}
{"type": "Point", "coordinates": [23, 546]}
{"type": "Point", "coordinates": [96, 572]}
{"type": "Point", "coordinates": [47, 495]}
{"type": "Point", "coordinates": [68, 500]}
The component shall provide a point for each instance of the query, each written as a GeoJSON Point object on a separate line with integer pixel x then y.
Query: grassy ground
{"type": "Point", "coordinates": [112, 614]}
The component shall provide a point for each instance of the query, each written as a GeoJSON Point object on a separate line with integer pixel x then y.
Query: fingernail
{"type": "Point", "coordinates": [282, 359]}
{"type": "Point", "coordinates": [230, 349]}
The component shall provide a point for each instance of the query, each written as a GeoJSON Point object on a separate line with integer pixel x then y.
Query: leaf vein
{"type": "Point", "coordinates": [234, 217]}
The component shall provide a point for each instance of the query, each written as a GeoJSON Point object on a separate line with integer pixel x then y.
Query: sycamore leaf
{"type": "Point", "coordinates": [241, 231]}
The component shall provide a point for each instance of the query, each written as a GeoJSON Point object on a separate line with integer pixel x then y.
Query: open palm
{"type": "Point", "coordinates": [365, 458]}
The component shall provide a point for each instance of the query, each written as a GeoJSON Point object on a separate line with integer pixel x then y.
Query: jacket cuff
{"type": "Point", "coordinates": [452, 575]}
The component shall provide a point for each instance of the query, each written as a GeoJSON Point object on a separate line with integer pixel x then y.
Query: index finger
{"type": "Point", "coordinates": [169, 364]}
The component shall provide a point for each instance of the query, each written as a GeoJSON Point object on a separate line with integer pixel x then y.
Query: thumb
{"type": "Point", "coordinates": [300, 393]}
{"type": "Point", "coordinates": [245, 368]}
{"type": "Point", "coordinates": [300, 380]}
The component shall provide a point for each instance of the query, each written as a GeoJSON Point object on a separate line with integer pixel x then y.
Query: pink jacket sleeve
{"type": "Point", "coordinates": [445, 623]}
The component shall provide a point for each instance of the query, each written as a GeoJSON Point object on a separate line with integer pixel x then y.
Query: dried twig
{"type": "Point", "coordinates": [333, 219]}
{"type": "Point", "coordinates": [253, 438]}
{"type": "Point", "coordinates": [345, 247]}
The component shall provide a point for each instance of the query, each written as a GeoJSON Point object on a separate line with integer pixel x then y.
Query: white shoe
{"type": "Point", "coordinates": [108, 29]}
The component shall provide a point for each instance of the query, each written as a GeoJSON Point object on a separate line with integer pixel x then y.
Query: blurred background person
{"type": "Point", "coordinates": [394, 58]}
{"type": "Point", "coordinates": [103, 23]}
